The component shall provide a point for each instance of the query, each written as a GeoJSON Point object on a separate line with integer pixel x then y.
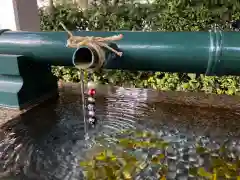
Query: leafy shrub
{"type": "Point", "coordinates": [162, 15]}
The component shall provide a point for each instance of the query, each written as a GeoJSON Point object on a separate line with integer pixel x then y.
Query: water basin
{"type": "Point", "coordinates": [47, 142]}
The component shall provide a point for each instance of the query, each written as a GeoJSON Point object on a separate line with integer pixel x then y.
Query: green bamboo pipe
{"type": "Point", "coordinates": [213, 53]}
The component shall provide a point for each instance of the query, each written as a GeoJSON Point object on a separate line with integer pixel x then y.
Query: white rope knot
{"type": "Point", "coordinates": [101, 55]}
{"type": "Point", "coordinates": [93, 43]}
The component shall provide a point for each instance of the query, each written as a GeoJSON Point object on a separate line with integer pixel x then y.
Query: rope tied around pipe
{"type": "Point", "coordinates": [96, 43]}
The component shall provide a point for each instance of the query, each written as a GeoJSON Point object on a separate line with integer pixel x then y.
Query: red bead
{"type": "Point", "coordinates": [91, 92]}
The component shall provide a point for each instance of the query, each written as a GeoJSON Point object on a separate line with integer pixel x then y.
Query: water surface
{"type": "Point", "coordinates": [47, 142]}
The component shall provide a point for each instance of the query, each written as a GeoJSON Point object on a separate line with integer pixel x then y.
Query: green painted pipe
{"type": "Point", "coordinates": [213, 53]}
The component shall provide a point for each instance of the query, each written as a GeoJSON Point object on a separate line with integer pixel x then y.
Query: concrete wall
{"type": "Point", "coordinates": [19, 15]}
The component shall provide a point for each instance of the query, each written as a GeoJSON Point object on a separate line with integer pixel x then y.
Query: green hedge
{"type": "Point", "coordinates": [162, 15]}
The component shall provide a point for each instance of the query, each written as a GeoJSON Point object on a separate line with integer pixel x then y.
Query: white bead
{"type": "Point", "coordinates": [91, 85]}
{"type": "Point", "coordinates": [91, 120]}
{"type": "Point", "coordinates": [91, 113]}
{"type": "Point", "coordinates": [90, 107]}
{"type": "Point", "coordinates": [90, 99]}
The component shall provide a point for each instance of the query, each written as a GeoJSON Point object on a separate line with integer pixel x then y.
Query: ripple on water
{"type": "Point", "coordinates": [48, 142]}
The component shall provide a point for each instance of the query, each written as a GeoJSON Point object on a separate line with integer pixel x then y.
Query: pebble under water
{"type": "Point", "coordinates": [170, 141]}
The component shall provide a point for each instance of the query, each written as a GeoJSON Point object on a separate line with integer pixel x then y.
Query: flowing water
{"type": "Point", "coordinates": [168, 140]}
{"type": "Point", "coordinates": [82, 90]}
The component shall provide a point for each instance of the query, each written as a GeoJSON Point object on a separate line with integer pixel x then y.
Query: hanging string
{"type": "Point", "coordinates": [91, 101]}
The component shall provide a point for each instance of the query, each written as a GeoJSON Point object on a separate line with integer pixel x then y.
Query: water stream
{"type": "Point", "coordinates": [48, 142]}
{"type": "Point", "coordinates": [82, 90]}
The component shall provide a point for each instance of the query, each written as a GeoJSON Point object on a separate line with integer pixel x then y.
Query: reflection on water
{"type": "Point", "coordinates": [123, 109]}
{"type": "Point", "coordinates": [48, 141]}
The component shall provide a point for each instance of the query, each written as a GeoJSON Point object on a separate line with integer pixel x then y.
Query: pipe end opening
{"type": "Point", "coordinates": [83, 58]}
